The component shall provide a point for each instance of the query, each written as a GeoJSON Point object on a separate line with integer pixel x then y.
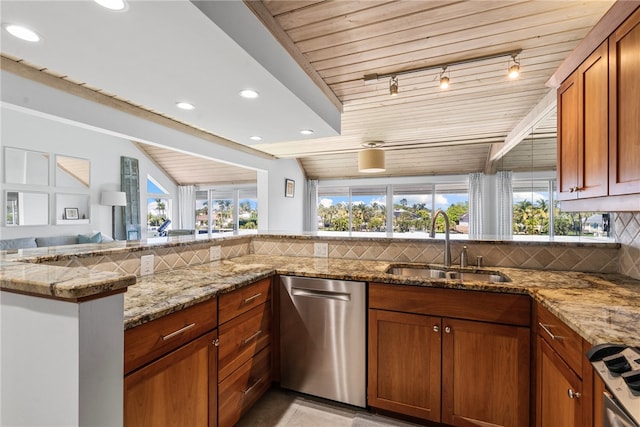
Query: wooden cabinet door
{"type": "Point", "coordinates": [485, 374]}
{"type": "Point", "coordinates": [624, 105]}
{"type": "Point", "coordinates": [176, 389]}
{"type": "Point", "coordinates": [404, 363]}
{"type": "Point", "coordinates": [593, 130]}
{"type": "Point", "coordinates": [555, 380]}
{"type": "Point", "coordinates": [568, 125]}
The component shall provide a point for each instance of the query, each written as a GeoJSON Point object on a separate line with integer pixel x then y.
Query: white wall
{"type": "Point", "coordinates": [26, 131]}
{"type": "Point", "coordinates": [21, 94]}
{"type": "Point", "coordinates": [285, 214]}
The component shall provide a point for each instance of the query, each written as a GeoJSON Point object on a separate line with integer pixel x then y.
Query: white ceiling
{"type": "Point", "coordinates": [159, 52]}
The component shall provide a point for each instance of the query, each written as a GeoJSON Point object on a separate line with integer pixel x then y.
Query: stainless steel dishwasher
{"type": "Point", "coordinates": [322, 338]}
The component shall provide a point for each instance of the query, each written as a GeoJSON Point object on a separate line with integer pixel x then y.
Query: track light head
{"type": "Point", "coordinates": [393, 86]}
{"type": "Point", "coordinates": [444, 80]}
{"type": "Point", "coordinates": [514, 70]}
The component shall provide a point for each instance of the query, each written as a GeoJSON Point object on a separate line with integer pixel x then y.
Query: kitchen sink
{"type": "Point", "coordinates": [435, 273]}
{"type": "Point", "coordinates": [417, 271]}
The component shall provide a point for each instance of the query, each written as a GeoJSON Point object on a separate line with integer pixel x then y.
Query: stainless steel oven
{"type": "Point", "coordinates": [614, 415]}
{"type": "Point", "coordinates": [619, 368]}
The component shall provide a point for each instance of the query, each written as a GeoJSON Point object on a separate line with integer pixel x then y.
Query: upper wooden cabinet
{"type": "Point", "coordinates": [624, 108]}
{"type": "Point", "coordinates": [583, 130]}
{"type": "Point", "coordinates": [599, 124]}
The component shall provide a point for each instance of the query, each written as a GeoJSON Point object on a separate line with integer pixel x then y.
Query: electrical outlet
{"type": "Point", "coordinates": [215, 253]}
{"type": "Point", "coordinates": [146, 265]}
{"type": "Point", "coordinates": [321, 250]}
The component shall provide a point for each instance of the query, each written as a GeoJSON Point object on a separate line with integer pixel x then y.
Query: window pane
{"type": "Point", "coordinates": [368, 209]}
{"type": "Point", "coordinates": [248, 209]}
{"type": "Point", "coordinates": [454, 200]}
{"type": "Point", "coordinates": [333, 209]}
{"type": "Point", "coordinates": [202, 211]}
{"type": "Point", "coordinates": [157, 215]}
{"type": "Point", "coordinates": [412, 209]}
{"type": "Point", "coordinates": [222, 211]}
{"type": "Point", "coordinates": [531, 208]}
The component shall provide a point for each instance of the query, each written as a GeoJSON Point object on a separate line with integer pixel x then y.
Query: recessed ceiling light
{"type": "Point", "coordinates": [185, 105]}
{"type": "Point", "coordinates": [249, 93]}
{"type": "Point", "coordinates": [306, 132]}
{"type": "Point", "coordinates": [112, 4]}
{"type": "Point", "coordinates": [22, 33]}
{"type": "Point", "coordinates": [255, 138]}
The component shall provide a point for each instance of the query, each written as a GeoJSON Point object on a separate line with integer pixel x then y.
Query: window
{"type": "Point", "coordinates": [158, 207]}
{"type": "Point", "coordinates": [362, 210]}
{"type": "Point", "coordinates": [538, 216]}
{"type": "Point", "coordinates": [227, 210]}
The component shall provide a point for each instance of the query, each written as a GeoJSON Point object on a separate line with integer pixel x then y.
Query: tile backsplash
{"type": "Point", "coordinates": [605, 258]}
{"type": "Point", "coordinates": [627, 229]}
{"type": "Point", "coordinates": [550, 256]}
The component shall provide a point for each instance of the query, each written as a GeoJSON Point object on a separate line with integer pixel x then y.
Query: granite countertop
{"type": "Point", "coordinates": [599, 307]}
{"type": "Point", "coordinates": [63, 283]}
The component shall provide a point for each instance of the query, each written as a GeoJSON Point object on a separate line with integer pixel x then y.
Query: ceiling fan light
{"type": "Point", "coordinates": [371, 160]}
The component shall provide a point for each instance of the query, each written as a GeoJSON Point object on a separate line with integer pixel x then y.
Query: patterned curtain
{"type": "Point", "coordinates": [475, 205]}
{"type": "Point", "coordinates": [504, 192]}
{"type": "Point", "coordinates": [311, 207]}
{"type": "Point", "coordinates": [186, 207]}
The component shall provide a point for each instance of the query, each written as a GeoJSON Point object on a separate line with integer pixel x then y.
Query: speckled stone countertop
{"type": "Point", "coordinates": [599, 307]}
{"type": "Point", "coordinates": [71, 284]}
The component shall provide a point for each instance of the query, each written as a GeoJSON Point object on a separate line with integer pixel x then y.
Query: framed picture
{"type": "Point", "coordinates": [289, 187]}
{"type": "Point", "coordinates": [71, 213]}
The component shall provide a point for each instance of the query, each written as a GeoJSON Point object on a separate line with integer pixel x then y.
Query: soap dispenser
{"type": "Point", "coordinates": [464, 261]}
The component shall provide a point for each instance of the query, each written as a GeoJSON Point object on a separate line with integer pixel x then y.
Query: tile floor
{"type": "Point", "coordinates": [281, 408]}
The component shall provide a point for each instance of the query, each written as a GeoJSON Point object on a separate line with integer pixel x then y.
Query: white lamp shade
{"type": "Point", "coordinates": [371, 160]}
{"type": "Point", "coordinates": [113, 198]}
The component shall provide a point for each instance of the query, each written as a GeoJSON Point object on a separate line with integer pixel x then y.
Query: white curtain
{"type": "Point", "coordinates": [475, 205]}
{"type": "Point", "coordinates": [186, 207]}
{"type": "Point", "coordinates": [311, 207]}
{"type": "Point", "coordinates": [504, 208]}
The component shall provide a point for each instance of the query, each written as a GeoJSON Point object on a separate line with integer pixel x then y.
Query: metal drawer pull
{"type": "Point", "coordinates": [250, 389]}
{"type": "Point", "coordinates": [546, 329]}
{"type": "Point", "coordinates": [251, 298]}
{"type": "Point", "coordinates": [255, 335]}
{"type": "Point", "coordinates": [573, 394]}
{"type": "Point", "coordinates": [447, 329]}
{"type": "Point", "coordinates": [178, 332]}
{"type": "Point", "coordinates": [436, 328]}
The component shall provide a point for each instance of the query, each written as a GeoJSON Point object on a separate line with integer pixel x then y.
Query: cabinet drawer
{"type": "Point", "coordinates": [149, 341]}
{"type": "Point", "coordinates": [472, 305]}
{"type": "Point", "coordinates": [243, 388]}
{"type": "Point", "coordinates": [243, 337]}
{"type": "Point", "coordinates": [244, 299]}
{"type": "Point", "coordinates": [561, 338]}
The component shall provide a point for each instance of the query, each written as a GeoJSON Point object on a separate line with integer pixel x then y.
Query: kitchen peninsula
{"type": "Point", "coordinates": [600, 306]}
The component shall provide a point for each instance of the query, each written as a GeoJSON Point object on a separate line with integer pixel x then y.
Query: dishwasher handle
{"type": "Point", "coordinates": [315, 293]}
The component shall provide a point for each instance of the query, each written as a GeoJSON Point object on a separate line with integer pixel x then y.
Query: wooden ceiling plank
{"type": "Point", "coordinates": [465, 21]}
{"type": "Point", "coordinates": [488, 41]}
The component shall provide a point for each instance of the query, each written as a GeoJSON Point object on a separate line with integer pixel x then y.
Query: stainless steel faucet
{"type": "Point", "coordinates": [432, 234]}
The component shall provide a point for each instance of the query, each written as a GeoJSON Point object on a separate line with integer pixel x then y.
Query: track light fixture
{"type": "Point", "coordinates": [514, 70]}
{"type": "Point", "coordinates": [444, 80]}
{"type": "Point", "coordinates": [393, 86]}
{"type": "Point", "coordinates": [393, 82]}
